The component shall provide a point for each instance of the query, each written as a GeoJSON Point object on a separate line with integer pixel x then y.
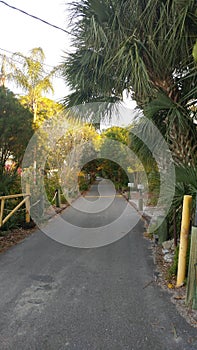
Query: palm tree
{"type": "Point", "coordinates": [29, 74]}
{"type": "Point", "coordinates": [144, 47]}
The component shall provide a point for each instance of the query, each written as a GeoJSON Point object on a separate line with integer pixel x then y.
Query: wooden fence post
{"type": "Point", "coordinates": [1, 211]}
{"type": "Point", "coordinates": [27, 203]}
{"type": "Point", "coordinates": [191, 280]}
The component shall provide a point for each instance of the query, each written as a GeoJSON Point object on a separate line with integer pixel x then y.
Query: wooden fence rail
{"type": "Point", "coordinates": [25, 200]}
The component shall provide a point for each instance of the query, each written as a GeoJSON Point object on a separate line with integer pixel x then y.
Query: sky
{"type": "Point", "coordinates": [20, 33]}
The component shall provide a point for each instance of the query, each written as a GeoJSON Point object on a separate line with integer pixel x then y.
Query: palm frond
{"type": "Point", "coordinates": [123, 45]}
{"type": "Point", "coordinates": [188, 176]}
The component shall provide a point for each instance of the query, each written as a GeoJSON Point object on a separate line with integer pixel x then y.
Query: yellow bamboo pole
{"type": "Point", "coordinates": [12, 196]}
{"type": "Point", "coordinates": [27, 204]}
{"type": "Point", "coordinates": [185, 226]}
{"type": "Point", "coordinates": [1, 211]}
{"type": "Point", "coordinates": [13, 211]}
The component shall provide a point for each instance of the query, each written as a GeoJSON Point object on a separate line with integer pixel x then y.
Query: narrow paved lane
{"type": "Point", "coordinates": [56, 297]}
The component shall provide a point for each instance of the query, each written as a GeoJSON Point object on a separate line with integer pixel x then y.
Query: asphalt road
{"type": "Point", "coordinates": [58, 297]}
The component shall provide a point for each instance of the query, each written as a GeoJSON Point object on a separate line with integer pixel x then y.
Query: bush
{"type": "Point", "coordinates": [11, 184]}
{"type": "Point", "coordinates": [174, 267]}
{"type": "Point", "coordinates": [51, 185]}
{"type": "Point", "coordinates": [83, 182]}
{"type": "Point", "coordinates": [17, 219]}
{"type": "Point", "coordinates": [83, 187]}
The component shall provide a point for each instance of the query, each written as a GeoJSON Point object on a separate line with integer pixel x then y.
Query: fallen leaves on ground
{"type": "Point", "coordinates": [14, 236]}
{"type": "Point", "coordinates": [10, 238]}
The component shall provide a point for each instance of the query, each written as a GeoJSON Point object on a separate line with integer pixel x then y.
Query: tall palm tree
{"type": "Point", "coordinates": [29, 74]}
{"type": "Point", "coordinates": [144, 47]}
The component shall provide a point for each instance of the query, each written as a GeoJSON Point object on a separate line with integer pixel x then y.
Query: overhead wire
{"type": "Point", "coordinates": [35, 17]}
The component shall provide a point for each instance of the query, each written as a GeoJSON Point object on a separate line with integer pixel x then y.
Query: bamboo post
{"type": "Point", "coordinates": [12, 196]}
{"type": "Point", "coordinates": [1, 211]}
{"type": "Point", "coordinates": [184, 235]}
{"type": "Point", "coordinates": [191, 280]}
{"type": "Point", "coordinates": [27, 204]}
{"type": "Point", "coordinates": [13, 211]}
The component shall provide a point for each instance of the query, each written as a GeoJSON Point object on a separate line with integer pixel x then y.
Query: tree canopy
{"type": "Point", "coordinates": [46, 108]}
{"type": "Point", "coordinates": [141, 46]}
{"type": "Point", "coordinates": [29, 74]}
{"type": "Point", "coordinates": [15, 128]}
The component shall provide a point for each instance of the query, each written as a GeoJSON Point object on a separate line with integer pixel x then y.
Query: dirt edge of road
{"type": "Point", "coordinates": [161, 277]}
{"type": "Point", "coordinates": [17, 235]}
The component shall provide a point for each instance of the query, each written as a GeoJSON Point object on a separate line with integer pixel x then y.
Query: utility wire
{"type": "Point", "coordinates": [35, 17]}
{"type": "Point", "coordinates": [46, 22]}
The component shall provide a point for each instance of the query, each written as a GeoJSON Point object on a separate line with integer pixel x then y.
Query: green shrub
{"type": "Point", "coordinates": [83, 187]}
{"type": "Point", "coordinates": [51, 185]}
{"type": "Point", "coordinates": [174, 267]}
{"type": "Point", "coordinates": [83, 182]}
{"type": "Point", "coordinates": [10, 183]}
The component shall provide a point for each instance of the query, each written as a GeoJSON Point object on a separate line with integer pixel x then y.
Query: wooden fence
{"type": "Point", "coordinates": [25, 200]}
